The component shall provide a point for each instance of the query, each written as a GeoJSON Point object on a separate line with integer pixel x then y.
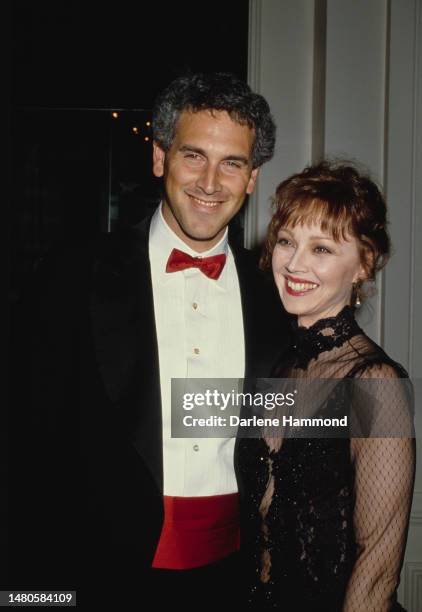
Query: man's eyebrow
{"type": "Point", "coordinates": [188, 147]}
{"type": "Point", "coordinates": [239, 158]}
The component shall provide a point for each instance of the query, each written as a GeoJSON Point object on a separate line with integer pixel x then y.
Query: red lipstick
{"type": "Point", "coordinates": [292, 291]}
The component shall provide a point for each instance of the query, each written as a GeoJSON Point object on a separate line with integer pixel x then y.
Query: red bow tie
{"type": "Point", "coordinates": [210, 266]}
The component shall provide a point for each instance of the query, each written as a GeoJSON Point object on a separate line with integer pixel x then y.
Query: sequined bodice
{"type": "Point", "coordinates": [304, 503]}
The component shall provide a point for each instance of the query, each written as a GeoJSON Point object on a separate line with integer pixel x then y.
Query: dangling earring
{"type": "Point", "coordinates": [356, 293]}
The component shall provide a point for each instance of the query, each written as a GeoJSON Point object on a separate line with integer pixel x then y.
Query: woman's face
{"type": "Point", "coordinates": [314, 273]}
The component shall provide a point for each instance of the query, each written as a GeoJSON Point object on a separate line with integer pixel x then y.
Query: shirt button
{"type": "Point", "coordinates": [194, 305]}
{"type": "Point", "coordinates": [196, 351]}
{"type": "Point", "coordinates": [196, 447]}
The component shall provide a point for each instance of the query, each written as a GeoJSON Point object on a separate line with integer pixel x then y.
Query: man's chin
{"type": "Point", "coordinates": [205, 234]}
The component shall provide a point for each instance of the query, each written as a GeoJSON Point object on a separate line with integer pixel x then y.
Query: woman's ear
{"type": "Point", "coordinates": [366, 267]}
{"type": "Point", "coordinates": [361, 276]}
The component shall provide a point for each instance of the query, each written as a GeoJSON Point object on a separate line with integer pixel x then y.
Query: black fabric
{"type": "Point", "coordinates": [324, 521]}
{"type": "Point", "coordinates": [213, 587]}
{"type": "Point", "coordinates": [85, 419]}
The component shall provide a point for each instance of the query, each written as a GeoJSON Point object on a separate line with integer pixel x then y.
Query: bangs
{"type": "Point", "coordinates": [334, 218]}
{"type": "Point", "coordinates": [339, 200]}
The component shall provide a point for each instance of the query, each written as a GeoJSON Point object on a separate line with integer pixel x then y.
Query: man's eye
{"type": "Point", "coordinates": [321, 249]}
{"type": "Point", "coordinates": [232, 164]}
{"type": "Point", "coordinates": [192, 156]}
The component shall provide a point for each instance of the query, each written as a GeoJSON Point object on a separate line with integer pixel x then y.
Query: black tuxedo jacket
{"type": "Point", "coordinates": [88, 448]}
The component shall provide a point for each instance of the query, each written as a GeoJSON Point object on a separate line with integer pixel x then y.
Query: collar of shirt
{"type": "Point", "coordinates": [162, 240]}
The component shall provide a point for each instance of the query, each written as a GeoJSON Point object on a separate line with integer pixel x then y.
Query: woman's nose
{"type": "Point", "coordinates": [298, 261]}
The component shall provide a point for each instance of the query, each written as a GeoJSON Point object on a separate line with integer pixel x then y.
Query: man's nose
{"type": "Point", "coordinates": [209, 180]}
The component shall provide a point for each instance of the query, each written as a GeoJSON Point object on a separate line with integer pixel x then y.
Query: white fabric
{"type": "Point", "coordinates": [195, 467]}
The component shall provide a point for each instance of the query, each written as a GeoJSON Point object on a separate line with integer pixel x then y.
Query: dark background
{"type": "Point", "coordinates": [78, 170]}
{"type": "Point", "coordinates": [88, 54]}
{"type": "Point", "coordinates": [75, 168]}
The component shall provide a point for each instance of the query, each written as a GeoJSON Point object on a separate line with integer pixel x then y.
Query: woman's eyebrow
{"type": "Point", "coordinates": [314, 237]}
{"type": "Point", "coordinates": [322, 237]}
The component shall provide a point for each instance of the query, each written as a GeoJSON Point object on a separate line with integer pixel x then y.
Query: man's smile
{"type": "Point", "coordinates": [207, 204]}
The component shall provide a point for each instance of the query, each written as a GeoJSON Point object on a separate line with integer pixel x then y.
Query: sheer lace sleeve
{"type": "Point", "coordinates": [384, 477]}
{"type": "Point", "coordinates": [325, 519]}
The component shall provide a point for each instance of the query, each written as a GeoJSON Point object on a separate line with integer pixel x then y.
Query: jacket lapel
{"type": "Point", "coordinates": [264, 320]}
{"type": "Point", "coordinates": [122, 311]}
{"type": "Point", "coordinates": [266, 325]}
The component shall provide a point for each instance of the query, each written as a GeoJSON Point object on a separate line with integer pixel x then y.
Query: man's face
{"type": "Point", "coordinates": [207, 173]}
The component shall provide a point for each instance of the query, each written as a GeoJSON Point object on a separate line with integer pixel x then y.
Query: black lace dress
{"type": "Point", "coordinates": [324, 521]}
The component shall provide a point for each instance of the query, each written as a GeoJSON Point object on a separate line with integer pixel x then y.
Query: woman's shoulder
{"type": "Point", "coordinates": [372, 361]}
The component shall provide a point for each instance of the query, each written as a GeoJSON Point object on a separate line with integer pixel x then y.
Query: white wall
{"type": "Point", "coordinates": [355, 81]}
{"type": "Point", "coordinates": [280, 67]}
{"type": "Point", "coordinates": [355, 99]}
{"type": "Point", "coordinates": [402, 293]}
{"type": "Point", "coordinates": [345, 78]}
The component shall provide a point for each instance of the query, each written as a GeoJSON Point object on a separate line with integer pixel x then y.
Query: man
{"type": "Point", "coordinates": [172, 297]}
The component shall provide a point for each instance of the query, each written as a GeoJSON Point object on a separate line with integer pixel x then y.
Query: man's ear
{"type": "Point", "coordinates": [158, 157]}
{"type": "Point", "coordinates": [252, 181]}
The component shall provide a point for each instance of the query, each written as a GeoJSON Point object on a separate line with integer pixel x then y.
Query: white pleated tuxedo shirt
{"type": "Point", "coordinates": [200, 334]}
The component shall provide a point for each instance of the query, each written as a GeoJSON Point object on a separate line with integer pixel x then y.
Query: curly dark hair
{"type": "Point", "coordinates": [344, 201]}
{"type": "Point", "coordinates": [215, 92]}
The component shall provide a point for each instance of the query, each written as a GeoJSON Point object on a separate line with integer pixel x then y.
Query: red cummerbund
{"type": "Point", "coordinates": [197, 531]}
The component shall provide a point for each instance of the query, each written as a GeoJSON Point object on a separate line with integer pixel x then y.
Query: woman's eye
{"type": "Point", "coordinates": [283, 242]}
{"type": "Point", "coordinates": [321, 249]}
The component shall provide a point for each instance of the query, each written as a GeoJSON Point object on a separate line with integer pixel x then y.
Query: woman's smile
{"type": "Point", "coordinates": [299, 287]}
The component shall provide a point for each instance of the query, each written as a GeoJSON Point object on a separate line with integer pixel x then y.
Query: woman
{"type": "Point", "coordinates": [325, 521]}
